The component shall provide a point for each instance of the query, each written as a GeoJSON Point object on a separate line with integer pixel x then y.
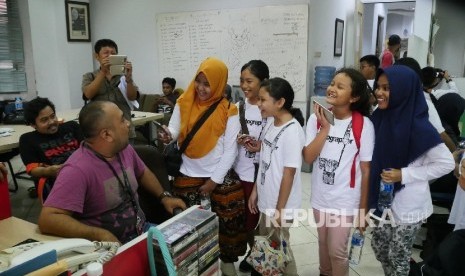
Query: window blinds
{"type": "Point", "coordinates": [12, 72]}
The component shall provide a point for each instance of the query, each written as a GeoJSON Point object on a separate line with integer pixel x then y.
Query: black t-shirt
{"type": "Point", "coordinates": [51, 149]}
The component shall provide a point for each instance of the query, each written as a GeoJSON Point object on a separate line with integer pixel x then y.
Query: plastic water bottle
{"type": "Point", "coordinates": [205, 202]}
{"type": "Point", "coordinates": [356, 247]}
{"type": "Point", "coordinates": [18, 103]}
{"type": "Point", "coordinates": [386, 195]}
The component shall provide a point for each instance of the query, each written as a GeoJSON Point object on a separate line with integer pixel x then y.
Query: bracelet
{"type": "Point", "coordinates": [447, 81]}
{"type": "Point", "coordinates": [129, 81]}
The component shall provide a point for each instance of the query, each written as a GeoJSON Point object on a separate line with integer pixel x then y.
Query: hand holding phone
{"type": "Point", "coordinates": [329, 116]}
{"type": "Point", "coordinates": [163, 133]}
{"type": "Point", "coordinates": [243, 139]}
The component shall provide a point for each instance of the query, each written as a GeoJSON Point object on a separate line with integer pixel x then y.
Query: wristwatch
{"type": "Point", "coordinates": [164, 194]}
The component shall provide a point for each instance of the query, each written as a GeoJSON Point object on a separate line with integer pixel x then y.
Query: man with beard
{"type": "Point", "coordinates": [95, 194]}
{"type": "Point", "coordinates": [45, 149]}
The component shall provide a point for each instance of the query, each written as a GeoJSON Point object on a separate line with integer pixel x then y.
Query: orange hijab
{"type": "Point", "coordinates": [191, 109]}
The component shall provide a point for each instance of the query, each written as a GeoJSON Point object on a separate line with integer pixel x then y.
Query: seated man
{"type": "Point", "coordinates": [166, 103]}
{"type": "Point", "coordinates": [95, 194]}
{"type": "Point", "coordinates": [45, 149]}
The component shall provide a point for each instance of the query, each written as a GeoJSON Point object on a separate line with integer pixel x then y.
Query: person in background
{"type": "Point", "coordinates": [408, 152]}
{"type": "Point", "coordinates": [246, 164]}
{"type": "Point", "coordinates": [457, 213]}
{"type": "Point", "coordinates": [369, 64]}
{"type": "Point", "coordinates": [336, 196]}
{"type": "Point", "coordinates": [277, 192]}
{"type": "Point", "coordinates": [433, 115]}
{"type": "Point", "coordinates": [228, 92]}
{"type": "Point", "coordinates": [95, 194]}
{"type": "Point", "coordinates": [166, 103]}
{"type": "Point", "coordinates": [391, 53]}
{"type": "Point", "coordinates": [448, 103]}
{"type": "Point", "coordinates": [210, 155]}
{"type": "Point", "coordinates": [102, 85]}
{"type": "Point", "coordinates": [45, 150]}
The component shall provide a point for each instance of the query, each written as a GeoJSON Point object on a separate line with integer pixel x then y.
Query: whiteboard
{"type": "Point", "coordinates": [278, 35]}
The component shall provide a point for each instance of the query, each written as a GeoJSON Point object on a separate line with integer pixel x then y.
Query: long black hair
{"type": "Point", "coordinates": [360, 90]}
{"type": "Point", "coordinates": [280, 88]}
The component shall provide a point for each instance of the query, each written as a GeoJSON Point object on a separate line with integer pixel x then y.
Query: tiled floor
{"type": "Point", "coordinates": [304, 238]}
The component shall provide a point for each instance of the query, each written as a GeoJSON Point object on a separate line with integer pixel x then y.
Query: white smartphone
{"type": "Point", "coordinates": [117, 59]}
{"type": "Point", "coordinates": [328, 114]}
{"type": "Point", "coordinates": [117, 70]}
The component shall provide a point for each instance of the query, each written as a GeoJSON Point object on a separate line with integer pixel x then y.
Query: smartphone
{"type": "Point", "coordinates": [328, 114]}
{"type": "Point", "coordinates": [117, 70]}
{"type": "Point", "coordinates": [117, 59]}
{"type": "Point", "coordinates": [159, 126]}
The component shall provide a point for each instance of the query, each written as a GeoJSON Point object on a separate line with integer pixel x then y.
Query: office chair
{"type": "Point", "coordinates": [154, 211]}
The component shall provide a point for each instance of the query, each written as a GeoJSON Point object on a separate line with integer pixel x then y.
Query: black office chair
{"type": "Point", "coordinates": [154, 211]}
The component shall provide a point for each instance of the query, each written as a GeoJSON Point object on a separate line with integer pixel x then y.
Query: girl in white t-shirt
{"type": "Point", "coordinates": [276, 194]}
{"type": "Point", "coordinates": [337, 194]}
{"type": "Point", "coordinates": [252, 123]}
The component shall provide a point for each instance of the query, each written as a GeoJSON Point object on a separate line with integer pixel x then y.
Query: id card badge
{"type": "Point", "coordinates": [140, 223]}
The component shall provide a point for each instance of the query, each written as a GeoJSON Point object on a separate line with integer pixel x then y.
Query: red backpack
{"type": "Point", "coordinates": [357, 127]}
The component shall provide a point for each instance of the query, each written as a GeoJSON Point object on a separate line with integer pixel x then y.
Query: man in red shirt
{"type": "Point", "coordinates": [389, 55]}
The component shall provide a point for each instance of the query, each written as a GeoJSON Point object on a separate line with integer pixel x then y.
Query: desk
{"type": "Point", "coordinates": [15, 230]}
{"type": "Point", "coordinates": [11, 142]}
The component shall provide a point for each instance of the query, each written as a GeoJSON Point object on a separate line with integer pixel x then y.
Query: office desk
{"type": "Point", "coordinates": [11, 142]}
{"type": "Point", "coordinates": [15, 230]}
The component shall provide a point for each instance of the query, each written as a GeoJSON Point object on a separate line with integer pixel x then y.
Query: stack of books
{"type": "Point", "coordinates": [192, 240]}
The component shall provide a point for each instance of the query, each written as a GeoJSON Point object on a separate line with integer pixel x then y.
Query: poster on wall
{"type": "Point", "coordinates": [77, 21]}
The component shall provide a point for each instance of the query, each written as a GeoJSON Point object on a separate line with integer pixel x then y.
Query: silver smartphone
{"type": "Point", "coordinates": [117, 59]}
{"type": "Point", "coordinates": [117, 70]}
{"type": "Point", "coordinates": [328, 114]}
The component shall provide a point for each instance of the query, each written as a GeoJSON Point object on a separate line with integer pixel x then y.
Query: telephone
{"type": "Point", "coordinates": [74, 252]}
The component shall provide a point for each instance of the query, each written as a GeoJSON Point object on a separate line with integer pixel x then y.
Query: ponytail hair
{"type": "Point", "coordinates": [279, 88]}
{"type": "Point", "coordinates": [297, 114]}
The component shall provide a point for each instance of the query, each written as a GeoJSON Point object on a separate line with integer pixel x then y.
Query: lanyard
{"type": "Point", "coordinates": [126, 186]}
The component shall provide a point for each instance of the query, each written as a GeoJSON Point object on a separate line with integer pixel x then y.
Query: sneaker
{"type": "Point", "coordinates": [228, 269]}
{"type": "Point", "coordinates": [244, 266]}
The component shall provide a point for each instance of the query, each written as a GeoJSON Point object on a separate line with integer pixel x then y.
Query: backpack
{"type": "Point", "coordinates": [357, 127]}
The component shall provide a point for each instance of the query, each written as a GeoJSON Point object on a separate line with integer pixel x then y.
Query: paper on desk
{"type": "Point", "coordinates": [6, 131]}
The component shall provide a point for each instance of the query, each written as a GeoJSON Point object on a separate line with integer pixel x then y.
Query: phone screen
{"type": "Point", "coordinates": [328, 114]}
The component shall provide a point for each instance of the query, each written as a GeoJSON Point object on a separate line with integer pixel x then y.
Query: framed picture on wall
{"type": "Point", "coordinates": [77, 21]}
{"type": "Point", "coordinates": [338, 37]}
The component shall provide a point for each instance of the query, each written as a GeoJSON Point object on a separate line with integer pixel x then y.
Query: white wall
{"type": "Point", "coordinates": [54, 66]}
{"type": "Point", "coordinates": [137, 38]}
{"type": "Point", "coordinates": [449, 46]}
{"type": "Point", "coordinates": [371, 13]}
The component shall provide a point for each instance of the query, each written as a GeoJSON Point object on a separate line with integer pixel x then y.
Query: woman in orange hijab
{"type": "Point", "coordinates": [210, 155]}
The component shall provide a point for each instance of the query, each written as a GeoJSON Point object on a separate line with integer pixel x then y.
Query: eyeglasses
{"type": "Point", "coordinates": [363, 66]}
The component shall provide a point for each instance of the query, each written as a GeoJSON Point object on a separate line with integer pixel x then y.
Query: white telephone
{"type": "Point", "coordinates": [73, 251]}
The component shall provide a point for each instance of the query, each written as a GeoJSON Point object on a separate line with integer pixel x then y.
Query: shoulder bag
{"type": "Point", "coordinates": [173, 154]}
